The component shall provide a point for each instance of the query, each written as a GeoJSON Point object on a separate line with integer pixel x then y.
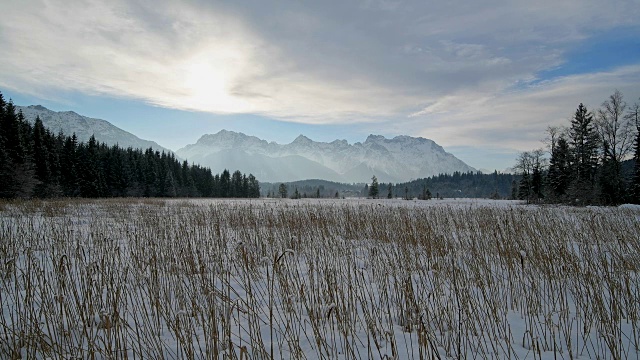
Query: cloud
{"type": "Point", "coordinates": [517, 119]}
{"type": "Point", "coordinates": [443, 69]}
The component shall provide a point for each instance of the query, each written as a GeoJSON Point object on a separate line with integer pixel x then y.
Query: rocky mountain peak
{"type": "Point", "coordinates": [402, 158]}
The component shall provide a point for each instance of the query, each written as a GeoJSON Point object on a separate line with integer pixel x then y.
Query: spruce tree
{"type": "Point", "coordinates": [282, 190]}
{"type": "Point", "coordinates": [225, 184]}
{"type": "Point", "coordinates": [236, 184]}
{"type": "Point", "coordinates": [6, 190]}
{"type": "Point", "coordinates": [559, 175]}
{"type": "Point", "coordinates": [607, 180]}
{"type": "Point", "coordinates": [373, 189]}
{"type": "Point", "coordinates": [40, 159]}
{"type": "Point", "coordinates": [524, 187]}
{"type": "Point", "coordinates": [584, 142]}
{"type": "Point", "coordinates": [635, 180]}
{"type": "Point", "coordinates": [254, 187]}
{"type": "Point", "coordinates": [634, 186]}
{"type": "Point", "coordinates": [514, 190]}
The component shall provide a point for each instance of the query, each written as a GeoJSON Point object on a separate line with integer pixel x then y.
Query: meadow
{"type": "Point", "coordinates": [317, 279]}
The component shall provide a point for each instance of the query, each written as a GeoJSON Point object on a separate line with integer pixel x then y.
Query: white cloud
{"type": "Point", "coordinates": [442, 69]}
{"type": "Point", "coordinates": [517, 119]}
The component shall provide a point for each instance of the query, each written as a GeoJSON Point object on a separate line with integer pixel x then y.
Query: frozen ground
{"type": "Point", "coordinates": [454, 278]}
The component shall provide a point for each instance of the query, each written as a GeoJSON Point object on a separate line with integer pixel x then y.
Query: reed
{"type": "Point", "coordinates": [128, 278]}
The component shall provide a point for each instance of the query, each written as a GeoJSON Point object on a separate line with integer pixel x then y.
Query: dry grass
{"type": "Point", "coordinates": [179, 279]}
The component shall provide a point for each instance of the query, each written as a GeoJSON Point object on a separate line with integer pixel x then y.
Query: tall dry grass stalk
{"type": "Point", "coordinates": [335, 279]}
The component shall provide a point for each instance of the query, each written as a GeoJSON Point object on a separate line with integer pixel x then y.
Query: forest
{"type": "Point", "coordinates": [35, 163]}
{"type": "Point", "coordinates": [457, 185]}
{"type": "Point", "coordinates": [594, 160]}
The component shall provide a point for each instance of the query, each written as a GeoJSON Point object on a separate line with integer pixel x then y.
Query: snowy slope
{"type": "Point", "coordinates": [402, 158]}
{"type": "Point", "coordinates": [70, 122]}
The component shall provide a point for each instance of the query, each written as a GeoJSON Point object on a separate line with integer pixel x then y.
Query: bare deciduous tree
{"type": "Point", "coordinates": [553, 133]}
{"type": "Point", "coordinates": [615, 128]}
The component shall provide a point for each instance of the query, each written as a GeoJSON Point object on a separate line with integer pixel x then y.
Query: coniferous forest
{"type": "Point", "coordinates": [594, 160]}
{"type": "Point", "coordinates": [35, 163]}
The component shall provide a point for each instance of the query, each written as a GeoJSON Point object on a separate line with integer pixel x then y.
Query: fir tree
{"type": "Point", "coordinates": [634, 187]}
{"type": "Point", "coordinates": [514, 190]}
{"type": "Point", "coordinates": [282, 190]}
{"type": "Point", "coordinates": [607, 179]}
{"type": "Point", "coordinates": [225, 184]}
{"type": "Point", "coordinates": [524, 187]}
{"type": "Point", "coordinates": [40, 159]}
{"type": "Point", "coordinates": [373, 189]}
{"type": "Point", "coordinates": [635, 180]}
{"type": "Point", "coordinates": [559, 175]}
{"type": "Point", "coordinates": [584, 153]}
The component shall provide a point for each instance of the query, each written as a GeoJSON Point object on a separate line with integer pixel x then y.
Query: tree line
{"type": "Point", "coordinates": [34, 162]}
{"type": "Point", "coordinates": [456, 185]}
{"type": "Point", "coordinates": [594, 160]}
{"type": "Point", "coordinates": [495, 185]}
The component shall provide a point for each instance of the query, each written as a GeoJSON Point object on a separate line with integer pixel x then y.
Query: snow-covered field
{"type": "Point", "coordinates": [156, 279]}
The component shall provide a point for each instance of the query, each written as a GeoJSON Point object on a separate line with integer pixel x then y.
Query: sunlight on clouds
{"type": "Point", "coordinates": [517, 119]}
{"type": "Point", "coordinates": [412, 69]}
{"type": "Point", "coordinates": [207, 78]}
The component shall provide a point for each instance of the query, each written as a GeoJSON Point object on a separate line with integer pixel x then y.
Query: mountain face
{"type": "Point", "coordinates": [69, 122]}
{"type": "Point", "coordinates": [400, 159]}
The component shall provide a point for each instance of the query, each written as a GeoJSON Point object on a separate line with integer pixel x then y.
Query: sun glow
{"type": "Point", "coordinates": [207, 79]}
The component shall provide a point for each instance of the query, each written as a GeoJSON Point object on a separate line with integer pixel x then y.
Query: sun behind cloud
{"type": "Point", "coordinates": [208, 77]}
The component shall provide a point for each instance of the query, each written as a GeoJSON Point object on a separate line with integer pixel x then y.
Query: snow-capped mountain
{"type": "Point", "coordinates": [400, 159]}
{"type": "Point", "coordinates": [70, 122]}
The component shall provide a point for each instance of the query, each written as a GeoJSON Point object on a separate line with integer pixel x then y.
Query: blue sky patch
{"type": "Point", "coordinates": [602, 52]}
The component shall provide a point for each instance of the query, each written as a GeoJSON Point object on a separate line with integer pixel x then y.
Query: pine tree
{"type": "Point", "coordinates": [514, 190]}
{"type": "Point", "coordinates": [225, 184]}
{"type": "Point", "coordinates": [282, 190]}
{"type": "Point", "coordinates": [254, 187]}
{"type": "Point", "coordinates": [584, 142]}
{"type": "Point", "coordinates": [607, 179]}
{"type": "Point", "coordinates": [425, 194]}
{"type": "Point", "coordinates": [6, 190]}
{"type": "Point", "coordinates": [68, 164]}
{"type": "Point", "coordinates": [14, 140]}
{"type": "Point", "coordinates": [536, 181]}
{"type": "Point", "coordinates": [245, 186]}
{"type": "Point", "coordinates": [635, 180]}
{"type": "Point", "coordinates": [524, 187]}
{"type": "Point", "coordinates": [559, 175]}
{"type": "Point", "coordinates": [634, 187]}
{"type": "Point", "coordinates": [40, 159]}
{"type": "Point", "coordinates": [373, 189]}
{"type": "Point", "coordinates": [236, 184]}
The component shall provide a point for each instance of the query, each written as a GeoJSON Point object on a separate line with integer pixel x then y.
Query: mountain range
{"type": "Point", "coordinates": [70, 122]}
{"type": "Point", "coordinates": [400, 159]}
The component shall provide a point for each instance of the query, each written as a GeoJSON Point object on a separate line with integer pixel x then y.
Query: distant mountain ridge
{"type": "Point", "coordinates": [400, 159]}
{"type": "Point", "coordinates": [70, 122]}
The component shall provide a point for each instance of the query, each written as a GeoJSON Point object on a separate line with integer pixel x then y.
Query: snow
{"type": "Point", "coordinates": [316, 278]}
{"type": "Point", "coordinates": [402, 158]}
{"type": "Point", "coordinates": [84, 127]}
{"type": "Point", "coordinates": [630, 206]}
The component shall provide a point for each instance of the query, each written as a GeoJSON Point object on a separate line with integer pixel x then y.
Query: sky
{"type": "Point", "coordinates": [482, 78]}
